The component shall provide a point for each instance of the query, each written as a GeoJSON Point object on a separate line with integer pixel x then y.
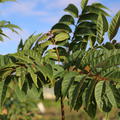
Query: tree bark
{"type": "Point", "coordinates": [62, 110]}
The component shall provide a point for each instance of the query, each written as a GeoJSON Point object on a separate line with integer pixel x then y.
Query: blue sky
{"type": "Point", "coordinates": [37, 16]}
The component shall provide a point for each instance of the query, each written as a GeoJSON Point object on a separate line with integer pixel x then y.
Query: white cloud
{"type": "Point", "coordinates": [25, 8]}
{"type": "Point", "coordinates": [16, 37]}
{"type": "Point", "coordinates": [29, 7]}
{"type": "Point", "coordinates": [50, 20]}
{"type": "Point", "coordinates": [64, 3]}
{"type": "Point", "coordinates": [60, 4]}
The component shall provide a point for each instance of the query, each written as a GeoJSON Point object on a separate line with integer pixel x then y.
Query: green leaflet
{"type": "Point", "coordinates": [21, 56]}
{"type": "Point", "coordinates": [79, 101]}
{"type": "Point", "coordinates": [85, 32]}
{"type": "Point", "coordinates": [49, 72]}
{"type": "Point", "coordinates": [33, 55]}
{"type": "Point", "coordinates": [99, 5]}
{"type": "Point", "coordinates": [18, 71]}
{"type": "Point", "coordinates": [62, 36]}
{"type": "Point", "coordinates": [72, 9]}
{"type": "Point", "coordinates": [42, 37]}
{"type": "Point", "coordinates": [84, 3]}
{"type": "Point", "coordinates": [10, 26]}
{"type": "Point", "coordinates": [109, 45]}
{"type": "Point", "coordinates": [57, 71]}
{"type": "Point", "coordinates": [88, 16]}
{"type": "Point", "coordinates": [113, 95]}
{"type": "Point", "coordinates": [109, 59]}
{"type": "Point", "coordinates": [112, 73]}
{"type": "Point", "coordinates": [99, 89]}
{"type": "Point", "coordinates": [75, 92]}
{"type": "Point", "coordinates": [20, 46]}
{"type": "Point", "coordinates": [86, 24]}
{"type": "Point", "coordinates": [7, 24]}
{"type": "Point", "coordinates": [51, 55]}
{"type": "Point", "coordinates": [105, 23]}
{"type": "Point", "coordinates": [67, 82]}
{"type": "Point", "coordinates": [20, 94]}
{"type": "Point", "coordinates": [113, 60]}
{"type": "Point", "coordinates": [4, 60]}
{"type": "Point", "coordinates": [107, 106]}
{"type": "Point", "coordinates": [30, 41]}
{"type": "Point", "coordinates": [3, 90]}
{"type": "Point", "coordinates": [83, 45]}
{"type": "Point", "coordinates": [88, 94]}
{"type": "Point", "coordinates": [61, 27]}
{"type": "Point", "coordinates": [78, 104]}
{"type": "Point", "coordinates": [21, 80]}
{"type": "Point", "coordinates": [101, 98]}
{"type": "Point", "coordinates": [33, 75]}
{"type": "Point", "coordinates": [1, 94]}
{"type": "Point", "coordinates": [33, 94]}
{"type": "Point", "coordinates": [43, 46]}
{"type": "Point", "coordinates": [101, 58]}
{"type": "Point", "coordinates": [3, 34]}
{"type": "Point", "coordinates": [92, 41]}
{"type": "Point", "coordinates": [100, 29]}
{"type": "Point", "coordinates": [21, 73]}
{"type": "Point", "coordinates": [92, 9]}
{"type": "Point", "coordinates": [62, 43]}
{"type": "Point", "coordinates": [67, 19]}
{"type": "Point", "coordinates": [57, 89]}
{"type": "Point", "coordinates": [6, 74]}
{"type": "Point", "coordinates": [114, 76]}
{"type": "Point", "coordinates": [76, 55]}
{"type": "Point", "coordinates": [114, 26]}
{"type": "Point", "coordinates": [86, 29]}
{"type": "Point", "coordinates": [46, 70]}
{"type": "Point", "coordinates": [73, 96]}
{"type": "Point", "coordinates": [91, 109]}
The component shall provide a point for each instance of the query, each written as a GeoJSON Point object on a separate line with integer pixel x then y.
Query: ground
{"type": "Point", "coordinates": [53, 113]}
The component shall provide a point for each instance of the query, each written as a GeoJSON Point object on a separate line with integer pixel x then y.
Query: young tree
{"type": "Point", "coordinates": [80, 65]}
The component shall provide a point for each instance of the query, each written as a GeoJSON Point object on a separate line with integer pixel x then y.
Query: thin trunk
{"type": "Point", "coordinates": [62, 110]}
{"type": "Point", "coordinates": [62, 104]}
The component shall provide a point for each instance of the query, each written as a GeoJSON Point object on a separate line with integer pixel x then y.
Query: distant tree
{"type": "Point", "coordinates": [7, 25]}
{"type": "Point", "coordinates": [6, 0]}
